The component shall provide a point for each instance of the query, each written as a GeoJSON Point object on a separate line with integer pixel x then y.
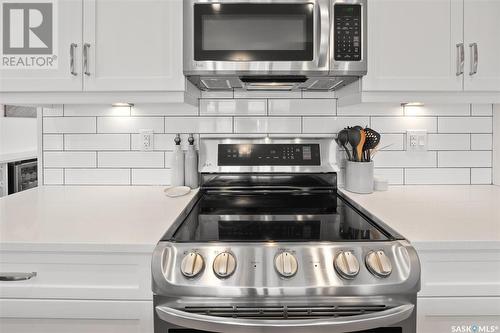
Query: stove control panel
{"type": "Point", "coordinates": [224, 265]}
{"type": "Point", "coordinates": [192, 264]}
{"type": "Point", "coordinates": [286, 264]}
{"type": "Point", "coordinates": [268, 154]}
{"type": "Point", "coordinates": [346, 264]}
{"type": "Point", "coordinates": [378, 263]}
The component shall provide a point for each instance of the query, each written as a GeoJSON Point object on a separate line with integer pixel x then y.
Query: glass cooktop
{"type": "Point", "coordinates": [285, 217]}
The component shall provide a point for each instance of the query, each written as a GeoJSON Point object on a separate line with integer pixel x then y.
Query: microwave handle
{"type": "Point", "coordinates": [322, 38]}
{"type": "Point", "coordinates": [238, 325]}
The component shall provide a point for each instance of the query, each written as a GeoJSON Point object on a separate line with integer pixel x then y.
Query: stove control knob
{"type": "Point", "coordinates": [224, 265]}
{"type": "Point", "coordinates": [378, 263]}
{"type": "Point", "coordinates": [286, 264]}
{"type": "Point", "coordinates": [192, 264]}
{"type": "Point", "coordinates": [346, 265]}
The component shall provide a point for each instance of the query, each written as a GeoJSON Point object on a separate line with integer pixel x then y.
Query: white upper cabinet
{"type": "Point", "coordinates": [412, 45]}
{"type": "Point", "coordinates": [133, 45]}
{"type": "Point", "coordinates": [67, 26]}
{"type": "Point", "coordinates": [482, 31]}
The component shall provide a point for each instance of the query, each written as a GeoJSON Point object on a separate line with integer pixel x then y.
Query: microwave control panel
{"type": "Point", "coordinates": [347, 35]}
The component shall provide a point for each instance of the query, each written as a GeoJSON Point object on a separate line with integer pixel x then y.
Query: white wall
{"type": "Point", "coordinates": [17, 135]}
{"type": "Point", "coordinates": [98, 144]}
{"type": "Point", "coordinates": [496, 144]}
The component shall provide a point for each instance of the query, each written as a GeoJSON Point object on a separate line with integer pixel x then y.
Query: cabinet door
{"type": "Point", "coordinates": [133, 45]}
{"type": "Point", "coordinates": [458, 314]}
{"type": "Point", "coordinates": [482, 26]}
{"type": "Point", "coordinates": [412, 45]}
{"type": "Point", "coordinates": [67, 27]}
{"type": "Point", "coordinates": [75, 316]}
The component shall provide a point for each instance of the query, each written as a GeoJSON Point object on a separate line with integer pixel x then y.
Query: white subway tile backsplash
{"type": "Point", "coordinates": [97, 176]}
{"type": "Point", "coordinates": [464, 159]}
{"type": "Point", "coordinates": [53, 177]}
{"type": "Point", "coordinates": [174, 109]}
{"type": "Point", "coordinates": [438, 176]}
{"type": "Point", "coordinates": [266, 125]}
{"type": "Point", "coordinates": [318, 94]}
{"type": "Point", "coordinates": [130, 159]}
{"type": "Point", "coordinates": [97, 141]}
{"type": "Point", "coordinates": [230, 107]}
{"type": "Point", "coordinates": [393, 176]}
{"type": "Point", "coordinates": [481, 141]}
{"type": "Point", "coordinates": [98, 144]}
{"type": "Point", "coordinates": [403, 124]}
{"type": "Point", "coordinates": [465, 125]}
{"type": "Point", "coordinates": [53, 111]}
{"type": "Point", "coordinates": [129, 124]}
{"type": "Point", "coordinates": [69, 159]}
{"type": "Point", "coordinates": [302, 107]}
{"type": "Point", "coordinates": [404, 159]}
{"type": "Point", "coordinates": [217, 94]}
{"type": "Point", "coordinates": [448, 141]}
{"type": "Point", "coordinates": [371, 109]}
{"type": "Point", "coordinates": [94, 110]}
{"type": "Point", "coordinates": [199, 125]}
{"type": "Point", "coordinates": [151, 176]}
{"type": "Point", "coordinates": [69, 125]}
{"type": "Point", "coordinates": [392, 142]}
{"type": "Point", "coordinates": [481, 176]}
{"type": "Point", "coordinates": [438, 110]}
{"type": "Point", "coordinates": [331, 124]}
{"type": "Point", "coordinates": [53, 142]}
{"type": "Point", "coordinates": [482, 109]}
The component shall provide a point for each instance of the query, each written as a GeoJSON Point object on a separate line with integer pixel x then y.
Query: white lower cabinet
{"type": "Point", "coordinates": [458, 314]}
{"type": "Point", "coordinates": [75, 316]}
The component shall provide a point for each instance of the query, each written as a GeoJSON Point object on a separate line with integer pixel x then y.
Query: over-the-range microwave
{"type": "Point", "coordinates": [274, 45]}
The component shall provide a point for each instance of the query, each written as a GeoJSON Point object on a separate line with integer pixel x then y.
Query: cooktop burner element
{"type": "Point", "coordinates": [272, 247]}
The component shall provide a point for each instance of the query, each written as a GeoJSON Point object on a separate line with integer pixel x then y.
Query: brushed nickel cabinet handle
{"type": "Point", "coordinates": [86, 47]}
{"type": "Point", "coordinates": [72, 48]}
{"type": "Point", "coordinates": [474, 58]}
{"type": "Point", "coordinates": [16, 276]}
{"type": "Point", "coordinates": [460, 59]}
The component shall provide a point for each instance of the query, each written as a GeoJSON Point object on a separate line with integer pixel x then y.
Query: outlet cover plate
{"type": "Point", "coordinates": [416, 140]}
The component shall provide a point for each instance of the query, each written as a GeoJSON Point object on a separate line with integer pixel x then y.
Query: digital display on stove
{"type": "Point", "coordinates": [268, 154]}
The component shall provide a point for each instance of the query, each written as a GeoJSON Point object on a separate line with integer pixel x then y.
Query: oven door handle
{"type": "Point", "coordinates": [332, 325]}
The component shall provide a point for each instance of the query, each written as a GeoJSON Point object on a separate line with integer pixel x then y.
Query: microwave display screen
{"type": "Point", "coordinates": [254, 32]}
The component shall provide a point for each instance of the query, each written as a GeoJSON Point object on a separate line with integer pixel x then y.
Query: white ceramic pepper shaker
{"type": "Point", "coordinates": [178, 163]}
{"type": "Point", "coordinates": [191, 166]}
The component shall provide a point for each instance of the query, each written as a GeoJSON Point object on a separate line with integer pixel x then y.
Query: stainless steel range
{"type": "Point", "coordinates": [268, 245]}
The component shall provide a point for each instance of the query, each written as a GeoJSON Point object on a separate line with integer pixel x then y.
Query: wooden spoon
{"type": "Point", "coordinates": [359, 147]}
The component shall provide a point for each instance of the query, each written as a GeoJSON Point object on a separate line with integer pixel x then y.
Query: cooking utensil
{"type": "Point", "coordinates": [354, 136]}
{"type": "Point", "coordinates": [361, 143]}
{"type": "Point", "coordinates": [342, 140]}
{"type": "Point", "coordinates": [371, 142]}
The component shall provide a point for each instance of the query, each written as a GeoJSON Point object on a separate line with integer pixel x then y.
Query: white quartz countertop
{"type": "Point", "coordinates": [435, 213]}
{"type": "Point", "coordinates": [128, 218]}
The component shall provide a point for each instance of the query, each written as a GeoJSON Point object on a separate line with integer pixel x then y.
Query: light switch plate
{"type": "Point", "coordinates": [147, 140]}
{"type": "Point", "coordinates": [416, 140]}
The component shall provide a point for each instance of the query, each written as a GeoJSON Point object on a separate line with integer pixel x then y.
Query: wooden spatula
{"type": "Point", "coordinates": [359, 147]}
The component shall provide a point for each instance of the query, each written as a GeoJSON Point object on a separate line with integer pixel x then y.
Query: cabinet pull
{"type": "Point", "coordinates": [16, 276]}
{"type": "Point", "coordinates": [86, 47]}
{"type": "Point", "coordinates": [72, 48]}
{"type": "Point", "coordinates": [474, 58]}
{"type": "Point", "coordinates": [460, 59]}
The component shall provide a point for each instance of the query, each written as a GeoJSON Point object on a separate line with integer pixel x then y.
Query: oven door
{"type": "Point", "coordinates": [257, 37]}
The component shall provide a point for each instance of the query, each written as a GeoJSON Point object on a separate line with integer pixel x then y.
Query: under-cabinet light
{"type": "Point", "coordinates": [121, 104]}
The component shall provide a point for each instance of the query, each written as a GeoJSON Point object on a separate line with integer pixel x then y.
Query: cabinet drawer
{"type": "Point", "coordinates": [71, 275]}
{"type": "Point", "coordinates": [460, 272]}
{"type": "Point", "coordinates": [76, 316]}
{"type": "Point", "coordinates": [458, 314]}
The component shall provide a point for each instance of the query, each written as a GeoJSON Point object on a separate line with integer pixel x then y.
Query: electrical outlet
{"type": "Point", "coordinates": [416, 140]}
{"type": "Point", "coordinates": [147, 138]}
